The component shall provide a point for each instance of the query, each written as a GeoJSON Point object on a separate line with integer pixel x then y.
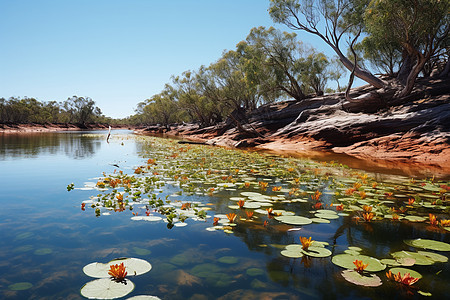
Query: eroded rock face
{"type": "Point", "coordinates": [412, 130]}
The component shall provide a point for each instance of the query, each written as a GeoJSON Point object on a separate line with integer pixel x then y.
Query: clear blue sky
{"type": "Point", "coordinates": [118, 52]}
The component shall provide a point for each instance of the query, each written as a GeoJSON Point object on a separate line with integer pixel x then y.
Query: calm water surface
{"type": "Point", "coordinates": [46, 239]}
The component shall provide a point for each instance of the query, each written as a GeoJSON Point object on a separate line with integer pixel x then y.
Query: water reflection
{"type": "Point", "coordinates": [19, 146]}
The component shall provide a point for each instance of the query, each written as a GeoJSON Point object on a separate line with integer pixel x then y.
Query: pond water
{"type": "Point", "coordinates": [126, 190]}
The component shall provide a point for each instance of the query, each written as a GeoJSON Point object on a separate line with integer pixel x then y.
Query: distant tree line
{"type": "Point", "coordinates": [269, 65]}
{"type": "Point", "coordinates": [75, 110]}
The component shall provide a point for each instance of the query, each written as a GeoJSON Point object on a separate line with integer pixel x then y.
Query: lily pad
{"type": "Point", "coordinates": [428, 244]}
{"type": "Point", "coordinates": [420, 259]}
{"type": "Point", "coordinates": [369, 280]}
{"type": "Point", "coordinates": [294, 220]}
{"type": "Point", "coordinates": [133, 266]}
{"type": "Point", "coordinates": [434, 256]}
{"type": "Point", "coordinates": [254, 272]}
{"type": "Point", "coordinates": [414, 218]}
{"type": "Point", "coordinates": [228, 260]}
{"type": "Point", "coordinates": [346, 261]}
{"type": "Point", "coordinates": [403, 271]}
{"type": "Point", "coordinates": [317, 252]}
{"type": "Point", "coordinates": [141, 251]}
{"type": "Point", "coordinates": [43, 251]}
{"type": "Point", "coordinates": [105, 288]}
{"type": "Point", "coordinates": [20, 286]}
{"type": "Point", "coordinates": [292, 253]}
{"type": "Point", "coordinates": [144, 297]}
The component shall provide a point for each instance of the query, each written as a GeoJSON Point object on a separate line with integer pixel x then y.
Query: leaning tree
{"type": "Point", "coordinates": [418, 28]}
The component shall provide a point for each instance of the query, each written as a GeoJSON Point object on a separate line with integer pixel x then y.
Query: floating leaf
{"type": "Point", "coordinates": [346, 261]}
{"type": "Point", "coordinates": [428, 244]}
{"type": "Point", "coordinates": [317, 252]}
{"type": "Point", "coordinates": [43, 251]}
{"type": "Point", "coordinates": [20, 286]}
{"type": "Point", "coordinates": [403, 271]}
{"type": "Point", "coordinates": [254, 272]}
{"type": "Point", "coordinates": [144, 297]}
{"type": "Point", "coordinates": [292, 253]}
{"type": "Point", "coordinates": [105, 288]}
{"type": "Point", "coordinates": [228, 260]}
{"type": "Point", "coordinates": [420, 259]}
{"type": "Point", "coordinates": [369, 280]}
{"type": "Point", "coordinates": [434, 256]}
{"type": "Point", "coordinates": [294, 220]}
{"type": "Point", "coordinates": [134, 266]}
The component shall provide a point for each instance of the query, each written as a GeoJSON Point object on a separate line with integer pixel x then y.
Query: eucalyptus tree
{"type": "Point", "coordinates": [418, 27]}
{"type": "Point", "coordinates": [81, 110]}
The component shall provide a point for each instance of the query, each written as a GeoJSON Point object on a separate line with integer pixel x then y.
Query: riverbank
{"type": "Point", "coordinates": [413, 133]}
{"type": "Point", "coordinates": [51, 127]}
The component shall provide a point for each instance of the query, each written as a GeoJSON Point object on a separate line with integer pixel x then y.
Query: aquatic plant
{"type": "Point", "coordinates": [306, 242]}
{"type": "Point", "coordinates": [406, 279]}
{"type": "Point", "coordinates": [360, 266]}
{"type": "Point", "coordinates": [117, 272]}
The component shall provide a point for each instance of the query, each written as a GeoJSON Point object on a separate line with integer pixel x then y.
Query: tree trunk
{"type": "Point", "coordinates": [411, 80]}
{"type": "Point", "coordinates": [360, 73]}
{"type": "Point", "coordinates": [408, 62]}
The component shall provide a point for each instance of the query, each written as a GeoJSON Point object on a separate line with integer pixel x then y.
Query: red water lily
{"type": "Point", "coordinates": [406, 279]}
{"type": "Point", "coordinates": [117, 272]}
{"type": "Point", "coordinates": [360, 266]}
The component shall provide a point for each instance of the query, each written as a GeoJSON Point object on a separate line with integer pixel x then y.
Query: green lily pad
{"type": "Point", "coordinates": [434, 256]}
{"type": "Point", "coordinates": [354, 248]}
{"type": "Point", "coordinates": [141, 251]}
{"type": "Point", "coordinates": [105, 288]}
{"type": "Point", "coordinates": [369, 280]}
{"type": "Point", "coordinates": [317, 252]}
{"type": "Point", "coordinates": [254, 272]}
{"type": "Point", "coordinates": [319, 220]}
{"type": "Point", "coordinates": [327, 216]}
{"type": "Point", "coordinates": [428, 244]}
{"type": "Point", "coordinates": [346, 261]}
{"type": "Point", "coordinates": [228, 260]}
{"type": "Point", "coordinates": [20, 286]}
{"type": "Point", "coordinates": [390, 262]}
{"type": "Point", "coordinates": [403, 271]}
{"type": "Point", "coordinates": [205, 270]}
{"type": "Point", "coordinates": [414, 218]}
{"type": "Point", "coordinates": [291, 253]}
{"type": "Point", "coordinates": [43, 251]}
{"type": "Point", "coordinates": [133, 266]}
{"type": "Point", "coordinates": [294, 220]}
{"type": "Point", "coordinates": [420, 259]}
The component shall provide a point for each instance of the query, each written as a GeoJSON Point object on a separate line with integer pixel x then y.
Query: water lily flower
{"type": "Point", "coordinates": [357, 185]}
{"type": "Point", "coordinates": [241, 203]}
{"type": "Point", "coordinates": [411, 201]}
{"type": "Point", "coordinates": [316, 196]}
{"type": "Point", "coordinates": [216, 221]}
{"type": "Point", "coordinates": [151, 161]}
{"type": "Point", "coordinates": [362, 194]}
{"type": "Point", "coordinates": [276, 188]}
{"type": "Point", "coordinates": [445, 223]}
{"type": "Point", "coordinates": [117, 272]}
{"type": "Point", "coordinates": [138, 170]}
{"type": "Point", "coordinates": [249, 214]}
{"type": "Point", "coordinates": [360, 266]}
{"type": "Point", "coordinates": [185, 206]}
{"type": "Point", "coordinates": [263, 185]}
{"type": "Point", "coordinates": [231, 217]}
{"type": "Point", "coordinates": [367, 208]}
{"type": "Point", "coordinates": [318, 205]}
{"type": "Point", "coordinates": [247, 185]}
{"type": "Point", "coordinates": [368, 216]}
{"type": "Point", "coordinates": [305, 242]}
{"type": "Point", "coordinates": [83, 205]}
{"type": "Point", "coordinates": [433, 220]}
{"type": "Point", "coordinates": [340, 207]}
{"type": "Point", "coordinates": [119, 197]}
{"type": "Point", "coordinates": [406, 279]}
{"type": "Point", "coordinates": [395, 217]}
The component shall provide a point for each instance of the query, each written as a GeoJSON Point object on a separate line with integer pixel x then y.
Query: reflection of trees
{"type": "Point", "coordinates": [76, 146]}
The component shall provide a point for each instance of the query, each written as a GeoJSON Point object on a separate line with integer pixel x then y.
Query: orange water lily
{"type": "Point", "coordinates": [241, 203]}
{"type": "Point", "coordinates": [367, 208]}
{"type": "Point", "coordinates": [216, 221]}
{"type": "Point", "coordinates": [185, 206]}
{"type": "Point", "coordinates": [263, 185]}
{"type": "Point", "coordinates": [406, 279]}
{"type": "Point", "coordinates": [117, 272]}
{"type": "Point", "coordinates": [249, 214]}
{"type": "Point", "coordinates": [445, 223]}
{"type": "Point", "coordinates": [360, 266]}
{"type": "Point", "coordinates": [119, 197]}
{"type": "Point", "coordinates": [411, 201]}
{"type": "Point", "coordinates": [276, 188]}
{"type": "Point", "coordinates": [368, 216]}
{"type": "Point", "coordinates": [306, 242]}
{"type": "Point", "coordinates": [433, 220]}
{"type": "Point", "coordinates": [247, 185]}
{"type": "Point", "coordinates": [231, 217]}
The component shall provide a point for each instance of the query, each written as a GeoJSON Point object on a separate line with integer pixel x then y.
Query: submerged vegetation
{"type": "Point", "coordinates": [222, 189]}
